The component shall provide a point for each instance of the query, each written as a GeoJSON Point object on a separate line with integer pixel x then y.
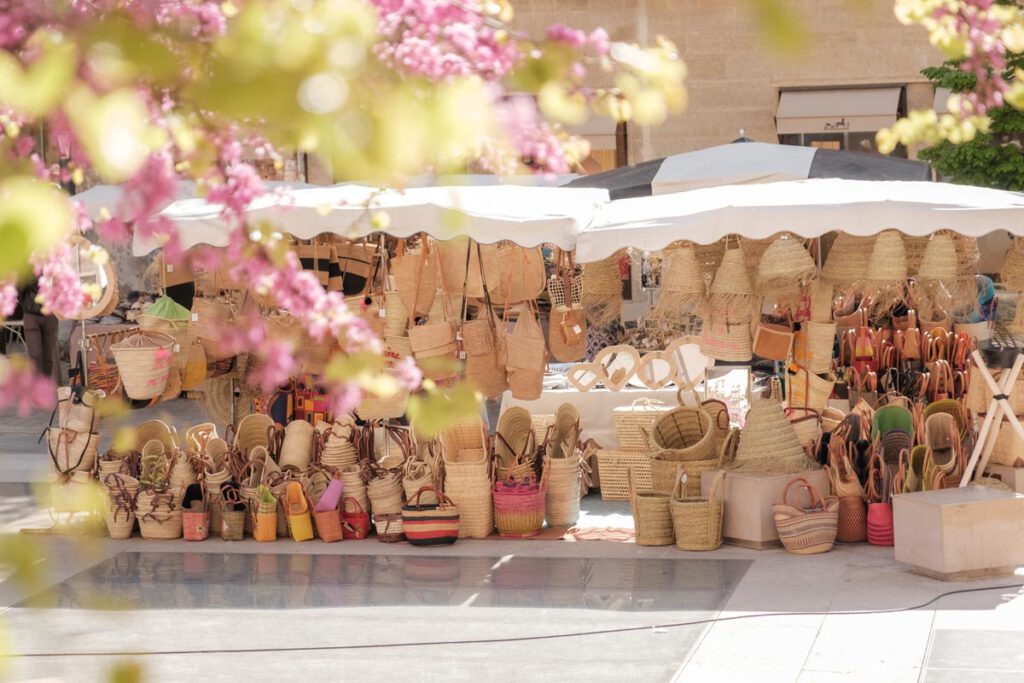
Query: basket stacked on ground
{"type": "Point", "coordinates": [519, 507]}
{"type": "Point", "coordinates": [632, 424]}
{"type": "Point", "coordinates": [652, 519]}
{"type": "Point", "coordinates": [697, 522]}
{"type": "Point", "coordinates": [158, 514]}
{"type": "Point", "coordinates": [683, 437]}
{"type": "Point", "coordinates": [467, 477]}
{"type": "Point", "coordinates": [805, 530]}
{"type": "Point", "coordinates": [430, 523]}
{"type": "Point", "coordinates": [119, 504]}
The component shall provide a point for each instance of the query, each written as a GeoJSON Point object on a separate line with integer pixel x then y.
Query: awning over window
{"type": "Point", "coordinates": [862, 110]}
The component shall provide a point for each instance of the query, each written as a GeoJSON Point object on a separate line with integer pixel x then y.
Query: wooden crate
{"type": "Point", "coordinates": [614, 465]}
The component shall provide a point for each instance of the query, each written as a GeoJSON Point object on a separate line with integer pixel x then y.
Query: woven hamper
{"type": "Point", "coordinates": [810, 529]}
{"type": "Point", "coordinates": [144, 362]}
{"type": "Point", "coordinates": [614, 467]}
{"type": "Point", "coordinates": [651, 517]}
{"type": "Point", "coordinates": [634, 422]}
{"type": "Point", "coordinates": [697, 521]}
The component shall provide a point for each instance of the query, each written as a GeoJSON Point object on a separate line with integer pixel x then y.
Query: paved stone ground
{"type": "Point", "coordinates": [214, 598]}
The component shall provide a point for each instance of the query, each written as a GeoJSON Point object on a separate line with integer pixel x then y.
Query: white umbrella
{"type": "Point", "coordinates": [808, 208]}
{"type": "Point", "coordinates": [528, 216]}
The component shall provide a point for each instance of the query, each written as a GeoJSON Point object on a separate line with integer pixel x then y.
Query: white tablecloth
{"type": "Point", "coordinates": [595, 407]}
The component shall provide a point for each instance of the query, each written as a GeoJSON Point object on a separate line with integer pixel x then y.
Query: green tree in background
{"type": "Point", "coordinates": [993, 159]}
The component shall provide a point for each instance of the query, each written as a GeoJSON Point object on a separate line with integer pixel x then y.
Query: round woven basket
{"type": "Point", "coordinates": [562, 498]}
{"type": "Point", "coordinates": [848, 259]}
{"type": "Point", "coordinates": [297, 446]}
{"type": "Point", "coordinates": [666, 473]}
{"type": "Point", "coordinates": [939, 259]}
{"type": "Point", "coordinates": [697, 521]}
{"type": "Point", "coordinates": [119, 517]}
{"type": "Point", "coordinates": [177, 330]}
{"type": "Point", "coordinates": [385, 494]}
{"type": "Point", "coordinates": [652, 519]}
{"type": "Point", "coordinates": [158, 515]}
{"type": "Point", "coordinates": [354, 485]}
{"type": "Point", "coordinates": [683, 434]}
{"type": "Point", "coordinates": [519, 509]}
{"type": "Point", "coordinates": [143, 361]}
{"type": "Point", "coordinates": [784, 267]}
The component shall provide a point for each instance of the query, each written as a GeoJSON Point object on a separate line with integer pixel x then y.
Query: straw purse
{"type": "Point", "coordinates": [567, 324]}
{"type": "Point", "coordinates": [315, 256]}
{"type": "Point", "coordinates": [352, 266]}
{"type": "Point", "coordinates": [415, 274]}
{"type": "Point", "coordinates": [209, 318]}
{"type": "Point", "coordinates": [480, 342]}
{"type": "Point", "coordinates": [460, 265]}
{"type": "Point", "coordinates": [144, 363]}
{"type": "Point", "coordinates": [518, 271]}
{"type": "Point", "coordinates": [435, 341]}
{"type": "Point", "coordinates": [525, 356]}
{"type": "Point", "coordinates": [810, 529]}
{"type": "Point", "coordinates": [773, 341]}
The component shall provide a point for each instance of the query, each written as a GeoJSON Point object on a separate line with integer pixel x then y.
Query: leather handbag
{"type": "Point", "coordinates": [773, 341]}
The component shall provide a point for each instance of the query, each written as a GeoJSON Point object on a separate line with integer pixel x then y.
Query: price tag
{"type": "Point", "coordinates": [195, 317]}
{"type": "Point", "coordinates": [170, 268]}
{"type": "Point", "coordinates": [577, 329]}
{"type": "Point", "coordinates": [177, 348]}
{"type": "Point", "coordinates": [380, 312]}
{"type": "Point", "coordinates": [462, 355]}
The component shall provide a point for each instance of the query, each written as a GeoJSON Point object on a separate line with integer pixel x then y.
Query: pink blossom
{"type": "Point", "coordinates": [26, 390]}
{"type": "Point", "coordinates": [60, 289]}
{"type": "Point", "coordinates": [8, 299]}
{"type": "Point", "coordinates": [563, 34]}
{"type": "Point", "coordinates": [408, 374]}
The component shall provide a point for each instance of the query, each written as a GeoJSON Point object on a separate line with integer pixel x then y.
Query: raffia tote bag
{"type": "Point", "coordinates": [526, 356]}
{"type": "Point", "coordinates": [315, 256]}
{"type": "Point", "coordinates": [369, 304]}
{"type": "Point", "coordinates": [518, 272]}
{"type": "Point", "coordinates": [434, 342]}
{"type": "Point", "coordinates": [484, 367]}
{"type": "Point", "coordinates": [567, 324]}
{"type": "Point", "coordinates": [209, 319]}
{"type": "Point", "coordinates": [415, 275]}
{"type": "Point", "coordinates": [460, 266]}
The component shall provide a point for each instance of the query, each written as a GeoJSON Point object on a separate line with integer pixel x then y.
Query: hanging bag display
{"type": "Point", "coordinates": [434, 344]}
{"type": "Point", "coordinates": [526, 356]}
{"type": "Point", "coordinates": [567, 324]}
{"type": "Point", "coordinates": [773, 341]}
{"type": "Point", "coordinates": [517, 272]}
{"type": "Point", "coordinates": [415, 274]}
{"type": "Point", "coordinates": [480, 342]}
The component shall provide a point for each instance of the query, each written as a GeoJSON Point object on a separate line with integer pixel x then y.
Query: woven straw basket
{"type": "Point", "coordinates": [684, 433]}
{"type": "Point", "coordinates": [143, 361]}
{"type": "Point", "coordinates": [651, 517]}
{"type": "Point", "coordinates": [813, 344]}
{"type": "Point", "coordinates": [696, 521]}
{"type": "Point", "coordinates": [634, 422]}
{"type": "Point", "coordinates": [810, 529]}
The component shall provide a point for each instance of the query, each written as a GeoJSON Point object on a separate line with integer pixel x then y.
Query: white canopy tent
{"type": "Point", "coordinates": [809, 208]}
{"type": "Point", "coordinates": [528, 215]}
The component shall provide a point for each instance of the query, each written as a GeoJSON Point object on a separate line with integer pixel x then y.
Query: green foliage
{"type": "Point", "coordinates": [991, 159]}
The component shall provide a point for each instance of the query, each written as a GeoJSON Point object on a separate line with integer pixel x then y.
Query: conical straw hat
{"type": "Point", "coordinates": [965, 288]}
{"type": "Point", "coordinates": [682, 284]}
{"type": "Point", "coordinates": [939, 259]}
{"type": "Point", "coordinates": [848, 259]}
{"type": "Point", "coordinates": [768, 442]}
{"type": "Point", "coordinates": [888, 258]}
{"type": "Point", "coordinates": [915, 247]}
{"type": "Point", "coordinates": [784, 265]}
{"type": "Point", "coordinates": [1012, 272]}
{"type": "Point", "coordinates": [602, 290]}
{"type": "Point", "coordinates": [732, 277]}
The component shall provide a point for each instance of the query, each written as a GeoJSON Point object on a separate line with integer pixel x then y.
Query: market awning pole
{"type": "Point", "coordinates": [998, 407]}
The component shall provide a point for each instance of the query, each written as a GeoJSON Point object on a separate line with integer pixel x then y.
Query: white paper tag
{"type": "Point", "coordinates": [195, 317]}
{"type": "Point", "coordinates": [380, 312]}
{"type": "Point", "coordinates": [577, 329]}
{"type": "Point", "coordinates": [177, 348]}
{"type": "Point", "coordinates": [391, 283]}
{"type": "Point", "coordinates": [170, 268]}
{"type": "Point", "coordinates": [462, 355]}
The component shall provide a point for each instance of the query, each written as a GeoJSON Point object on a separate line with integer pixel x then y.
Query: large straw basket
{"type": "Point", "coordinates": [119, 516]}
{"type": "Point", "coordinates": [769, 443]}
{"type": "Point", "coordinates": [418, 475]}
{"type": "Point", "coordinates": [806, 529]}
{"type": "Point", "coordinates": [385, 493]}
{"type": "Point", "coordinates": [807, 389]}
{"type": "Point", "coordinates": [813, 344]}
{"type": "Point", "coordinates": [726, 339]}
{"type": "Point", "coordinates": [696, 521]}
{"type": "Point", "coordinates": [519, 508]}
{"type": "Point", "coordinates": [848, 259]}
{"type": "Point", "coordinates": [158, 515]}
{"type": "Point", "coordinates": [71, 451]}
{"type": "Point", "coordinates": [684, 433]}
{"type": "Point", "coordinates": [939, 261]}
{"type": "Point", "coordinates": [614, 467]}
{"type": "Point", "coordinates": [784, 266]}
{"type": "Point", "coordinates": [253, 430]}
{"type": "Point", "coordinates": [888, 259]}
{"type": "Point", "coordinates": [634, 422]}
{"type": "Point", "coordinates": [464, 435]}
{"type": "Point", "coordinates": [562, 499]}
{"type": "Point", "coordinates": [664, 473]}
{"type": "Point", "coordinates": [297, 446]}
{"type": "Point", "coordinates": [77, 412]}
{"type": "Point", "coordinates": [209, 318]}
{"type": "Point", "coordinates": [178, 330]}
{"type": "Point", "coordinates": [732, 277]}
{"type": "Point", "coordinates": [143, 361]}
{"type": "Point", "coordinates": [651, 517]}
{"type": "Point", "coordinates": [434, 523]}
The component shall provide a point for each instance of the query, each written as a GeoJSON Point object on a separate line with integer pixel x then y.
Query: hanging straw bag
{"type": "Point", "coordinates": [430, 523]}
{"type": "Point", "coordinates": [76, 408]}
{"type": "Point", "coordinates": [518, 271]}
{"type": "Point", "coordinates": [484, 368]}
{"type": "Point", "coordinates": [434, 344]}
{"type": "Point", "coordinates": [813, 346]}
{"type": "Point", "coordinates": [567, 323]}
{"type": "Point", "coordinates": [415, 275]}
{"type": "Point", "coordinates": [209, 319]}
{"type": "Point", "coordinates": [71, 451]}
{"type": "Point", "coordinates": [144, 363]}
{"type": "Point", "coordinates": [526, 356]}
{"type": "Point", "coordinates": [806, 389]}
{"type": "Point", "coordinates": [696, 521]}
{"type": "Point", "coordinates": [810, 529]}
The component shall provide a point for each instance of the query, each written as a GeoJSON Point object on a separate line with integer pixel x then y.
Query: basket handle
{"type": "Point", "coordinates": [731, 442]}
{"type": "Point", "coordinates": [718, 487]}
{"type": "Point", "coordinates": [678, 483]}
{"type": "Point", "coordinates": [345, 502]}
{"type": "Point", "coordinates": [817, 502]}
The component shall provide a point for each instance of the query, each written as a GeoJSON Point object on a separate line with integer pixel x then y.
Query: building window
{"type": "Point", "coordinates": [834, 119]}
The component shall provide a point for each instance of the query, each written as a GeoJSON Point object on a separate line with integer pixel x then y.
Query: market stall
{"type": "Point", "coordinates": [861, 377]}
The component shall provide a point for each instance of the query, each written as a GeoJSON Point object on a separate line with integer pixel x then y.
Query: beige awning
{"type": "Point", "coordinates": [861, 110]}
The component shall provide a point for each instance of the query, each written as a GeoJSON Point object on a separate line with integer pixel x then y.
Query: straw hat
{"type": "Point", "coordinates": [768, 442]}
{"type": "Point", "coordinates": [732, 278]}
{"type": "Point", "coordinates": [939, 261]}
{"type": "Point", "coordinates": [754, 250]}
{"type": "Point", "coordinates": [915, 247]}
{"type": "Point", "coordinates": [602, 290]}
{"type": "Point", "coordinates": [848, 259]}
{"type": "Point", "coordinates": [965, 288]}
{"type": "Point", "coordinates": [888, 259]}
{"type": "Point", "coordinates": [726, 339]}
{"type": "Point", "coordinates": [784, 266]}
{"type": "Point", "coordinates": [1012, 272]}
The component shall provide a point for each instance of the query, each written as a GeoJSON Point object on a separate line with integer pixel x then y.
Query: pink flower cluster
{"type": "Point", "coordinates": [986, 53]}
{"type": "Point", "coordinates": [60, 289]}
{"type": "Point", "coordinates": [441, 39]}
{"type": "Point", "coordinates": [24, 389]}
{"type": "Point", "coordinates": [531, 137]}
{"type": "Point", "coordinates": [8, 299]}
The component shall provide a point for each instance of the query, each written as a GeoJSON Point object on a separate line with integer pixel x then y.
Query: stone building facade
{"type": "Point", "coordinates": [856, 54]}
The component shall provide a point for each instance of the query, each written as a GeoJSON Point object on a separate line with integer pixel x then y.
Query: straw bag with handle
{"type": "Point", "coordinates": [810, 529]}
{"type": "Point", "coordinates": [567, 324]}
{"type": "Point", "coordinates": [480, 342]}
{"type": "Point", "coordinates": [460, 265]}
{"type": "Point", "coordinates": [208, 320]}
{"type": "Point", "coordinates": [696, 521]}
{"type": "Point", "coordinates": [144, 363]}
{"type": "Point", "coordinates": [369, 303]}
{"type": "Point", "coordinates": [526, 356]}
{"type": "Point", "coordinates": [435, 344]}
{"type": "Point", "coordinates": [415, 275]}
{"type": "Point", "coordinates": [517, 271]}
